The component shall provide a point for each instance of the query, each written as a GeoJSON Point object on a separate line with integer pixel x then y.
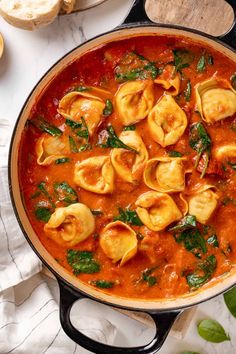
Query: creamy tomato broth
{"type": "Point", "coordinates": [127, 167]}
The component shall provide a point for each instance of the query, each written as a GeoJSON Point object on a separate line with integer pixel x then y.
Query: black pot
{"type": "Point", "coordinates": [164, 312]}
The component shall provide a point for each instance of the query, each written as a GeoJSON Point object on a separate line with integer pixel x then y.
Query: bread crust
{"type": "Point", "coordinates": [68, 5]}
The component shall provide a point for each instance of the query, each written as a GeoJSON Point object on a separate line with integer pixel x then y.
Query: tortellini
{"type": "Point", "coordinates": [157, 210]}
{"type": "Point", "coordinates": [225, 151]}
{"type": "Point", "coordinates": [167, 121]}
{"type": "Point", "coordinates": [165, 174]}
{"type": "Point", "coordinates": [95, 174]}
{"type": "Point", "coordinates": [119, 242]}
{"type": "Point", "coordinates": [216, 99]}
{"type": "Point", "coordinates": [134, 100]}
{"type": "Point", "coordinates": [50, 148]}
{"type": "Point", "coordinates": [86, 104]}
{"type": "Point", "coordinates": [70, 225]}
{"type": "Point", "coordinates": [130, 167]}
{"type": "Point", "coordinates": [169, 80]}
{"type": "Point", "coordinates": [203, 203]}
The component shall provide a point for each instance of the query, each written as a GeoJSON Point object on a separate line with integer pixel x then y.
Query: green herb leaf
{"type": "Point", "coordinates": [73, 124]}
{"type": "Point", "coordinates": [207, 266]}
{"type": "Point", "coordinates": [103, 284]}
{"type": "Point", "coordinates": [193, 241]}
{"type": "Point", "coordinates": [82, 262]}
{"type": "Point", "coordinates": [81, 88]}
{"type": "Point", "coordinates": [233, 80]}
{"type": "Point", "coordinates": [187, 222]}
{"type": "Point", "coordinates": [201, 65]}
{"type": "Point", "coordinates": [108, 108]}
{"type": "Point", "coordinates": [65, 192]}
{"type": "Point", "coordinates": [128, 216]}
{"type": "Point", "coordinates": [232, 165]}
{"type": "Point", "coordinates": [129, 128]}
{"type": "Point", "coordinates": [96, 212]}
{"type": "Point", "coordinates": [62, 160]}
{"type": "Point", "coordinates": [210, 60]}
{"type": "Point", "coordinates": [212, 331]}
{"type": "Point", "coordinates": [35, 195]}
{"type": "Point", "coordinates": [230, 300]}
{"type": "Point", "coordinates": [212, 240]}
{"type": "Point", "coordinates": [114, 142]}
{"type": "Point", "coordinates": [200, 141]}
{"type": "Point", "coordinates": [44, 126]}
{"type": "Point", "coordinates": [43, 214]}
{"type": "Point", "coordinates": [182, 59]}
{"type": "Point", "coordinates": [150, 279]}
{"type": "Point", "coordinates": [173, 153]}
{"type": "Point", "coordinates": [73, 146]}
{"type": "Point", "coordinates": [187, 91]}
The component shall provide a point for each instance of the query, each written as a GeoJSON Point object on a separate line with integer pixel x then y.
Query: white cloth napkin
{"type": "Point", "coordinates": [29, 312]}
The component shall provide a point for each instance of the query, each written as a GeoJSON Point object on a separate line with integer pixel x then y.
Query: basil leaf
{"type": "Point", "coordinates": [114, 142]}
{"type": "Point", "coordinates": [108, 108]}
{"type": "Point", "coordinates": [200, 141]}
{"type": "Point", "coordinates": [193, 241]}
{"type": "Point", "coordinates": [230, 300]}
{"type": "Point", "coordinates": [128, 216]}
{"type": "Point", "coordinates": [65, 192]}
{"type": "Point", "coordinates": [233, 80]}
{"type": "Point", "coordinates": [173, 153]}
{"type": "Point", "coordinates": [82, 262]}
{"type": "Point", "coordinates": [212, 331]}
{"type": "Point", "coordinates": [73, 124]}
{"type": "Point", "coordinates": [182, 59]}
{"type": "Point", "coordinates": [150, 279]}
{"type": "Point", "coordinates": [207, 266]}
{"type": "Point", "coordinates": [189, 221]}
{"type": "Point", "coordinates": [188, 91]}
{"type": "Point", "coordinates": [43, 214]}
{"type": "Point", "coordinates": [73, 146]}
{"type": "Point", "coordinates": [62, 160]}
{"type": "Point", "coordinates": [129, 128]}
{"type": "Point", "coordinates": [212, 240]}
{"type": "Point", "coordinates": [103, 284]}
{"type": "Point", "coordinates": [45, 126]}
{"type": "Point", "coordinates": [201, 65]}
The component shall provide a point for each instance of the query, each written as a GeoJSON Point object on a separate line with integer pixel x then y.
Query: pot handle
{"type": "Point", "coordinates": [163, 322]}
{"type": "Point", "coordinates": [230, 37]}
{"type": "Point", "coordinates": [137, 14]}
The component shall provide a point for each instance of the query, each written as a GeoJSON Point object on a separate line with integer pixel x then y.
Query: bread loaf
{"type": "Point", "coordinates": [29, 14]}
{"type": "Point", "coordinates": [68, 5]}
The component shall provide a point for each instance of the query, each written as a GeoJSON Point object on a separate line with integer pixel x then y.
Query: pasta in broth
{"type": "Point", "coordinates": [127, 167]}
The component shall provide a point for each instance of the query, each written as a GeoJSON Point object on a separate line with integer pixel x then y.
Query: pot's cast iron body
{"type": "Point", "coordinates": [163, 312]}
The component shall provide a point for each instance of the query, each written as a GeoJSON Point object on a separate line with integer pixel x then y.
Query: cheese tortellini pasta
{"type": "Point", "coordinates": [134, 100]}
{"type": "Point", "coordinates": [50, 148]}
{"type": "Point", "coordinates": [119, 242]}
{"type": "Point", "coordinates": [167, 121]}
{"type": "Point", "coordinates": [203, 203]}
{"type": "Point", "coordinates": [86, 104]}
{"type": "Point", "coordinates": [216, 99]}
{"type": "Point", "coordinates": [225, 151]}
{"type": "Point", "coordinates": [165, 174]}
{"type": "Point", "coordinates": [95, 174]}
{"type": "Point", "coordinates": [169, 80]}
{"type": "Point", "coordinates": [70, 225]}
{"type": "Point", "coordinates": [129, 165]}
{"type": "Point", "coordinates": [157, 210]}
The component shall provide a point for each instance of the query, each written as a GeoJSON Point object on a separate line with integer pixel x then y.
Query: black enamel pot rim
{"type": "Point", "coordinates": [61, 279]}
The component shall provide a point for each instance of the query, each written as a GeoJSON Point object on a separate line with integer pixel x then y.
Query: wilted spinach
{"type": "Point", "coordinates": [114, 142]}
{"type": "Point", "coordinates": [82, 262]}
{"type": "Point", "coordinates": [65, 192]}
{"type": "Point", "coordinates": [128, 216]}
{"type": "Point", "coordinates": [207, 267]}
{"type": "Point", "coordinates": [45, 126]}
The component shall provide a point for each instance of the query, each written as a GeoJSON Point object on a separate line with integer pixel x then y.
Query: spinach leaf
{"type": "Point", "coordinates": [187, 222]}
{"type": "Point", "coordinates": [188, 91]}
{"type": "Point", "coordinates": [173, 153]}
{"type": "Point", "coordinates": [73, 124]}
{"type": "Point", "coordinates": [129, 128]}
{"type": "Point", "coordinates": [230, 300]}
{"type": "Point", "coordinates": [96, 212]}
{"type": "Point", "coordinates": [84, 133]}
{"type": "Point", "coordinates": [195, 280]}
{"type": "Point", "coordinates": [200, 141]}
{"type": "Point", "coordinates": [82, 262]}
{"type": "Point", "coordinates": [212, 240]}
{"type": "Point", "coordinates": [210, 60]}
{"type": "Point", "coordinates": [182, 59]}
{"type": "Point", "coordinates": [65, 192]}
{"type": "Point", "coordinates": [108, 108]}
{"type": "Point", "coordinates": [103, 284]}
{"type": "Point", "coordinates": [212, 331]}
{"type": "Point", "coordinates": [193, 241]}
{"type": "Point", "coordinates": [114, 142]}
{"type": "Point", "coordinates": [233, 80]}
{"type": "Point", "coordinates": [81, 88]}
{"type": "Point", "coordinates": [45, 126]}
{"type": "Point", "coordinates": [228, 200]}
{"type": "Point", "coordinates": [128, 216]}
{"type": "Point", "coordinates": [201, 65]}
{"type": "Point", "coordinates": [62, 160]}
{"type": "Point", "coordinates": [43, 214]}
{"type": "Point", "coordinates": [150, 279]}
{"type": "Point", "coordinates": [73, 146]}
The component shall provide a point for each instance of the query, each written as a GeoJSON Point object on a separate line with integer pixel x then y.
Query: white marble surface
{"type": "Point", "coordinates": [27, 56]}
